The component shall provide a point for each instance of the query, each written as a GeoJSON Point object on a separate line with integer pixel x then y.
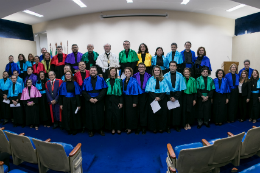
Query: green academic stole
{"type": "Point", "coordinates": [117, 88]}
{"type": "Point", "coordinates": [191, 86]}
{"type": "Point", "coordinates": [85, 57]}
{"type": "Point", "coordinates": [132, 56]}
{"type": "Point", "coordinates": [201, 84]}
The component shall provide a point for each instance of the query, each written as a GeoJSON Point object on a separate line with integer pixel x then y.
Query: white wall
{"type": "Point", "coordinates": [247, 47]}
{"type": "Point", "coordinates": [214, 33]}
{"type": "Point", "coordinates": [41, 41]}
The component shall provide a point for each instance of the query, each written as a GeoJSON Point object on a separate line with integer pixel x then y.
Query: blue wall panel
{"type": "Point", "coordinates": [10, 29]}
{"type": "Point", "coordinates": [251, 23]}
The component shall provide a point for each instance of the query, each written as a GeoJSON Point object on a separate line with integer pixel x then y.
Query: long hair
{"type": "Point", "coordinates": [161, 73]}
{"type": "Point", "coordinates": [45, 54]}
{"type": "Point", "coordinates": [199, 51]}
{"type": "Point", "coordinates": [29, 56]}
{"type": "Point", "coordinates": [131, 70]}
{"type": "Point", "coordinates": [24, 60]}
{"type": "Point", "coordinates": [109, 76]}
{"type": "Point", "coordinates": [146, 48]}
{"type": "Point", "coordinates": [231, 67]}
{"type": "Point", "coordinates": [39, 79]}
{"type": "Point", "coordinates": [257, 74]}
{"type": "Point", "coordinates": [27, 81]}
{"type": "Point", "coordinates": [72, 77]}
{"type": "Point", "coordinates": [246, 79]}
{"type": "Point", "coordinates": [186, 69]}
{"type": "Point", "coordinates": [157, 49]}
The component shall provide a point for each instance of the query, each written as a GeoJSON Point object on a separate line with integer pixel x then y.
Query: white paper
{"type": "Point", "coordinates": [6, 101]}
{"type": "Point", "coordinates": [123, 76]}
{"type": "Point", "coordinates": [13, 106]}
{"type": "Point", "coordinates": [173, 105]}
{"type": "Point", "coordinates": [76, 110]}
{"type": "Point", "coordinates": [155, 106]}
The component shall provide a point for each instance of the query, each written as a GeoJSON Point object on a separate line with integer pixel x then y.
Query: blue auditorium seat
{"type": "Point", "coordinates": [178, 149]}
{"type": "Point", "coordinates": [5, 169]}
{"type": "Point", "coordinates": [9, 132]}
{"type": "Point", "coordinates": [252, 169]}
{"type": "Point", "coordinates": [17, 171]}
{"type": "Point", "coordinates": [67, 147]}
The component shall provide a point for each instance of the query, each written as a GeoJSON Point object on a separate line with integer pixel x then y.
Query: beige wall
{"type": "Point", "coordinates": [214, 33]}
{"type": "Point", "coordinates": [247, 47]}
{"type": "Point", "coordinates": [9, 46]}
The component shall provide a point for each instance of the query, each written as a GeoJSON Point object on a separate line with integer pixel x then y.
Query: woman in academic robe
{"type": "Point", "coordinates": [189, 98]}
{"type": "Point", "coordinates": [38, 66]}
{"type": "Point", "coordinates": [46, 61]}
{"type": "Point", "coordinates": [114, 103]}
{"type": "Point", "coordinates": [205, 90]}
{"type": "Point", "coordinates": [255, 96]}
{"type": "Point", "coordinates": [220, 98]}
{"type": "Point", "coordinates": [201, 61]}
{"type": "Point", "coordinates": [22, 66]}
{"type": "Point", "coordinates": [244, 89]}
{"type": "Point", "coordinates": [30, 61]}
{"type": "Point", "coordinates": [70, 104]}
{"type": "Point", "coordinates": [157, 88]}
{"type": "Point", "coordinates": [144, 57]}
{"type": "Point", "coordinates": [160, 60]}
{"type": "Point", "coordinates": [131, 90]}
{"type": "Point", "coordinates": [30, 97]}
{"type": "Point", "coordinates": [44, 109]}
{"type": "Point", "coordinates": [233, 82]}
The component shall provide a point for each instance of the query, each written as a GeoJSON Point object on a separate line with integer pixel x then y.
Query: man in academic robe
{"type": "Point", "coordinates": [5, 84]}
{"type": "Point", "coordinates": [94, 90]}
{"type": "Point", "coordinates": [79, 77]}
{"type": "Point", "coordinates": [142, 77]}
{"type": "Point", "coordinates": [43, 50]}
{"type": "Point", "coordinates": [58, 62]}
{"type": "Point", "coordinates": [90, 57]}
{"type": "Point", "coordinates": [19, 80]}
{"type": "Point", "coordinates": [205, 90]}
{"type": "Point", "coordinates": [38, 66]}
{"type": "Point", "coordinates": [52, 92]}
{"type": "Point", "coordinates": [176, 56]}
{"type": "Point", "coordinates": [246, 68]}
{"type": "Point", "coordinates": [14, 95]}
{"type": "Point", "coordinates": [127, 57]}
{"type": "Point", "coordinates": [176, 84]}
{"type": "Point", "coordinates": [74, 58]}
{"type": "Point", "coordinates": [11, 66]}
{"type": "Point", "coordinates": [188, 56]}
{"type": "Point", "coordinates": [31, 76]}
{"type": "Point", "coordinates": [107, 60]}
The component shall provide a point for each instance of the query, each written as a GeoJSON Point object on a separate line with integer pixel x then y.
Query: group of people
{"type": "Point", "coordinates": [93, 92]}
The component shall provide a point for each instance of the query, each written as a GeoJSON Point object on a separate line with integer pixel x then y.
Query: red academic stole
{"type": "Point", "coordinates": [39, 68]}
{"type": "Point", "coordinates": [78, 78]}
{"type": "Point", "coordinates": [55, 60]}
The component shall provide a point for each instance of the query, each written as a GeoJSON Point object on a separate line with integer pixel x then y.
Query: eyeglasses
{"type": "Point", "coordinates": [68, 74]}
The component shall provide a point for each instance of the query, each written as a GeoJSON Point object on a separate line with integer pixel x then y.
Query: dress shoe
{"type": "Point", "coordinates": [207, 125]}
{"type": "Point", "coordinates": [177, 129]}
{"type": "Point", "coordinates": [102, 133]}
{"type": "Point", "coordinates": [143, 131]}
{"type": "Point", "coordinates": [168, 130]}
{"type": "Point", "coordinates": [199, 126]}
{"type": "Point", "coordinates": [90, 134]}
{"type": "Point", "coordinates": [55, 125]}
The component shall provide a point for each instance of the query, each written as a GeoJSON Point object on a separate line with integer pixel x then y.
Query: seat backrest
{"type": "Point", "coordinates": [22, 147]}
{"type": "Point", "coordinates": [194, 160]}
{"type": "Point", "coordinates": [52, 155]}
{"type": "Point", "coordinates": [226, 149]}
{"type": "Point", "coordinates": [4, 144]}
{"type": "Point", "coordinates": [251, 143]}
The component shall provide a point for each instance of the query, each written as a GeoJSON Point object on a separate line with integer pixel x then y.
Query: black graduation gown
{"type": "Point", "coordinates": [104, 74]}
{"type": "Point", "coordinates": [114, 115]}
{"type": "Point", "coordinates": [243, 106]}
{"type": "Point", "coordinates": [95, 112]}
{"type": "Point", "coordinates": [254, 101]}
{"type": "Point", "coordinates": [70, 120]}
{"type": "Point", "coordinates": [44, 108]}
{"type": "Point", "coordinates": [59, 70]}
{"type": "Point", "coordinates": [188, 110]}
{"type": "Point", "coordinates": [5, 108]}
{"type": "Point", "coordinates": [233, 103]}
{"type": "Point", "coordinates": [18, 115]}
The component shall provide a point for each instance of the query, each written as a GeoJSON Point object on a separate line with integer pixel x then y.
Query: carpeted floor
{"type": "Point", "coordinates": [133, 153]}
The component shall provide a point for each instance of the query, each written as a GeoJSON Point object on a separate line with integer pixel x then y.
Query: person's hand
{"type": "Point", "coordinates": [134, 105]}
{"type": "Point", "coordinates": [5, 96]}
{"type": "Point", "coordinates": [95, 100]}
{"type": "Point", "coordinates": [157, 98]}
{"type": "Point", "coordinates": [53, 102]}
{"type": "Point", "coordinates": [91, 100]}
{"type": "Point", "coordinates": [61, 107]}
{"type": "Point", "coordinates": [247, 100]}
{"type": "Point", "coordinates": [79, 108]}
{"type": "Point", "coordinates": [172, 99]}
{"type": "Point", "coordinates": [211, 100]}
{"type": "Point", "coordinates": [14, 102]}
{"type": "Point", "coordinates": [227, 101]}
{"type": "Point", "coordinates": [120, 105]}
{"type": "Point", "coordinates": [194, 102]}
{"type": "Point", "coordinates": [207, 97]}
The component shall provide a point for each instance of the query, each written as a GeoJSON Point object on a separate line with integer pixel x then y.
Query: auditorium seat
{"type": "Point", "coordinates": [4, 169]}
{"type": "Point", "coordinates": [59, 156]}
{"type": "Point", "coordinates": [186, 158]}
{"type": "Point", "coordinates": [225, 151]}
{"type": "Point", "coordinates": [5, 144]}
{"type": "Point", "coordinates": [252, 169]}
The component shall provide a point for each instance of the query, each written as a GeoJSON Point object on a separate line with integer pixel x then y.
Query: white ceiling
{"type": "Point", "coordinates": [63, 8]}
{"type": "Point", "coordinates": [253, 3]}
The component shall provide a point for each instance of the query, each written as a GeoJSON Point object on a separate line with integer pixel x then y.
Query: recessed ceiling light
{"type": "Point", "coordinates": [81, 4]}
{"type": "Point", "coordinates": [32, 13]}
{"type": "Point", "coordinates": [236, 7]}
{"type": "Point", "coordinates": [129, 1]}
{"type": "Point", "coordinates": [185, 2]}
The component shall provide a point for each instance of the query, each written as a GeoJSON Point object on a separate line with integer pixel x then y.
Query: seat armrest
{"type": "Point", "coordinates": [170, 151]}
{"type": "Point", "coordinates": [205, 142]}
{"type": "Point", "coordinates": [75, 150]}
{"type": "Point", "coordinates": [172, 170]}
{"type": "Point", "coordinates": [48, 140]}
{"type": "Point", "coordinates": [230, 134]}
{"type": "Point", "coordinates": [254, 126]}
{"type": "Point", "coordinates": [2, 128]}
{"type": "Point", "coordinates": [1, 163]}
{"type": "Point", "coordinates": [21, 134]}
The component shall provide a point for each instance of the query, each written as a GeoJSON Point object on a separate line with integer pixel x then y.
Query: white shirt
{"type": "Point", "coordinates": [240, 87]}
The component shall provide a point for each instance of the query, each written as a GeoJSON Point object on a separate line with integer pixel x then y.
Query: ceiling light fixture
{"type": "Point", "coordinates": [185, 2]}
{"type": "Point", "coordinates": [32, 13]}
{"type": "Point", "coordinates": [236, 7]}
{"type": "Point", "coordinates": [129, 1]}
{"type": "Point", "coordinates": [81, 4]}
